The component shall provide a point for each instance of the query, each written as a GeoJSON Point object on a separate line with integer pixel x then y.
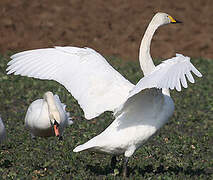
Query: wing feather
{"type": "Point", "coordinates": [86, 74]}
{"type": "Point", "coordinates": [169, 74]}
{"type": "Point", "coordinates": [183, 80]}
{"type": "Point", "coordinates": [190, 77]}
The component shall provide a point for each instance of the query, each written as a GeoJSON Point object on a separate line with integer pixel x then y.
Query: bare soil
{"type": "Point", "coordinates": [112, 27]}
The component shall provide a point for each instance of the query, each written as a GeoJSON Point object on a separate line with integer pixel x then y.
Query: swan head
{"type": "Point", "coordinates": [161, 19]}
{"type": "Point", "coordinates": [54, 114]}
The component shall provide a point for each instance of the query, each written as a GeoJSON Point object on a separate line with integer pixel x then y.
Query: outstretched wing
{"type": "Point", "coordinates": [86, 74]}
{"type": "Point", "coordinates": [169, 74]}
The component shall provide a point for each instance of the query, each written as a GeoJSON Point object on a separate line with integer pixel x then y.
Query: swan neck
{"type": "Point", "coordinates": [145, 58]}
{"type": "Point", "coordinates": [49, 98]}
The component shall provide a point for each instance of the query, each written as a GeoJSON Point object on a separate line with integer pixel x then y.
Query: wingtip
{"type": "Point", "coordinates": [199, 75]}
{"type": "Point", "coordinates": [77, 149]}
{"type": "Point", "coordinates": [9, 71]}
{"type": "Point", "coordinates": [10, 62]}
{"type": "Point", "coordinates": [13, 56]}
{"type": "Point", "coordinates": [178, 88]}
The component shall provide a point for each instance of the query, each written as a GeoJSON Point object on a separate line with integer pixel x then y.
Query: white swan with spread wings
{"type": "Point", "coordinates": [139, 110]}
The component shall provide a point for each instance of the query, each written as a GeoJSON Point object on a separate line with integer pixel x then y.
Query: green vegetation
{"type": "Point", "coordinates": [182, 149]}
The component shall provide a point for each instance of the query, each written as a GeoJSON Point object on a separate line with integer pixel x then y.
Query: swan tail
{"type": "Point", "coordinates": [79, 148]}
{"type": "Point", "coordinates": [88, 145]}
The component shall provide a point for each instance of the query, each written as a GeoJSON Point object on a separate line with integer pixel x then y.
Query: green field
{"type": "Point", "coordinates": [182, 149]}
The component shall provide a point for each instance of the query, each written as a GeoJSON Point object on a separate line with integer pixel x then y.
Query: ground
{"type": "Point", "coordinates": [114, 28]}
{"type": "Point", "coordinates": [182, 149]}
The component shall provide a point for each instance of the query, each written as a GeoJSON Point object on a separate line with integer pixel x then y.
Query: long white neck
{"type": "Point", "coordinates": [49, 98]}
{"type": "Point", "coordinates": [145, 58]}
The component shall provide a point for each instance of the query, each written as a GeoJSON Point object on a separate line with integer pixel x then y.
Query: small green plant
{"type": "Point", "coordinates": [182, 149]}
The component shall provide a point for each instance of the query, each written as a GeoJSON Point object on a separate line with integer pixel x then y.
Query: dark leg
{"type": "Point", "coordinates": [113, 162]}
{"type": "Point", "coordinates": [125, 161]}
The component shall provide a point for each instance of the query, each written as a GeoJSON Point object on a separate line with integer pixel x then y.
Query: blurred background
{"type": "Point", "coordinates": [113, 28]}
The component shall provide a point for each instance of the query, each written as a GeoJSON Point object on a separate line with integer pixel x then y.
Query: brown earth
{"type": "Point", "coordinates": [112, 27]}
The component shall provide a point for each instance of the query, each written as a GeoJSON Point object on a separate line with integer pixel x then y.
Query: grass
{"type": "Point", "coordinates": [182, 149]}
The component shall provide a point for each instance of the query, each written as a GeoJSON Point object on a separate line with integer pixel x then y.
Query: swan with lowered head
{"type": "Point", "coordinates": [139, 110]}
{"type": "Point", "coordinates": [2, 131]}
{"type": "Point", "coordinates": [47, 117]}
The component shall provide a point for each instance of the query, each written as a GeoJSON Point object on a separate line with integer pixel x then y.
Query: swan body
{"type": "Point", "coordinates": [2, 131]}
{"type": "Point", "coordinates": [139, 110]}
{"type": "Point", "coordinates": [134, 125]}
{"type": "Point", "coordinates": [42, 114]}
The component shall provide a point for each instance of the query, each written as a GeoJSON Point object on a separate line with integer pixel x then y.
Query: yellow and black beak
{"type": "Point", "coordinates": [174, 21]}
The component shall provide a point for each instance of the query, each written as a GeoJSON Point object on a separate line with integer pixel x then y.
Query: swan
{"type": "Point", "coordinates": [47, 117]}
{"type": "Point", "coordinates": [139, 110]}
{"type": "Point", "coordinates": [2, 131]}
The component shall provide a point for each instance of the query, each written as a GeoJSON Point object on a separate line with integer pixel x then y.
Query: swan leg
{"type": "Point", "coordinates": [125, 162]}
{"type": "Point", "coordinates": [113, 162]}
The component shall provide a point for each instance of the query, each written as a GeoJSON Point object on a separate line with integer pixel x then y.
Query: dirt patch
{"type": "Point", "coordinates": [111, 27]}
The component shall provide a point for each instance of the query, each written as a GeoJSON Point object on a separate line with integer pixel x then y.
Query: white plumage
{"type": "Point", "coordinates": [84, 73]}
{"type": "Point", "coordinates": [42, 114]}
{"type": "Point", "coordinates": [169, 74]}
{"type": "Point", "coordinates": [140, 110]}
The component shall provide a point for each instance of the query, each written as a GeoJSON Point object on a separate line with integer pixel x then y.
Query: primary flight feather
{"type": "Point", "coordinates": [86, 74]}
